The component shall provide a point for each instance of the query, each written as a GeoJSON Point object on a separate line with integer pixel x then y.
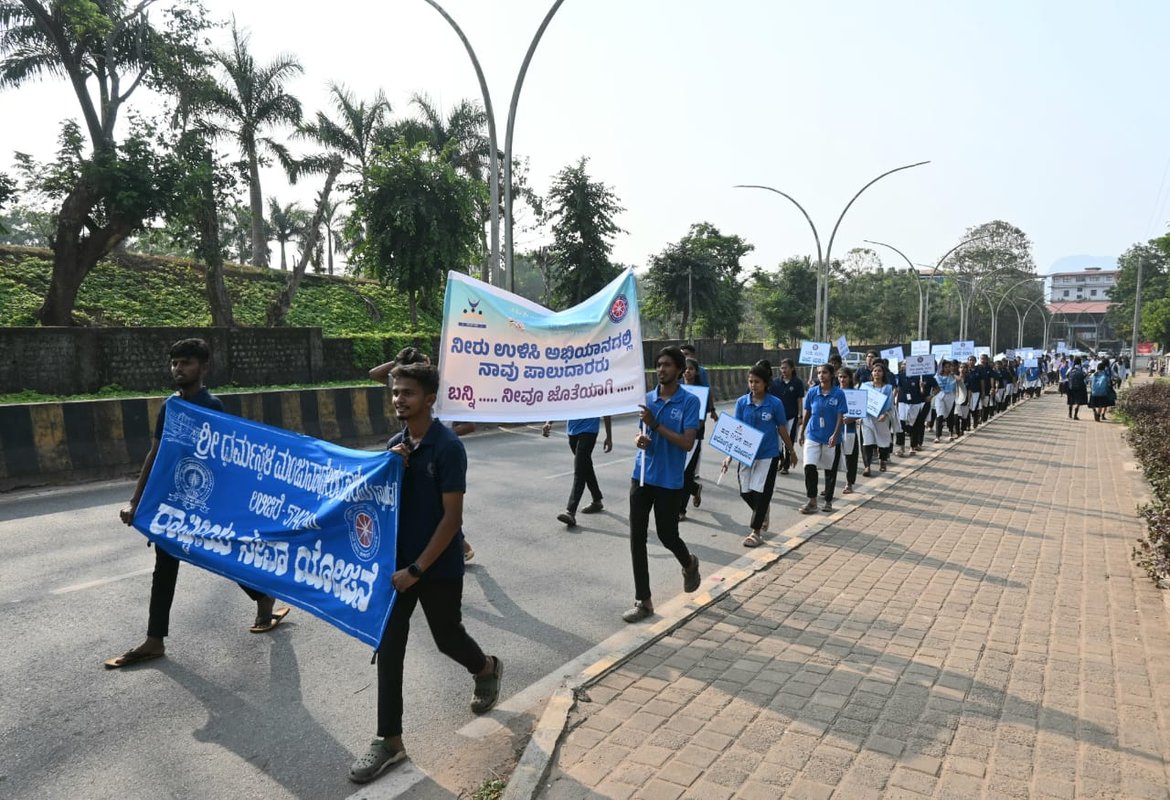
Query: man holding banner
{"type": "Point", "coordinates": [429, 563]}
{"type": "Point", "coordinates": [669, 424]}
{"type": "Point", "coordinates": [190, 359]}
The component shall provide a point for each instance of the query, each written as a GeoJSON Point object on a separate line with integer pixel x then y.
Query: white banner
{"type": "Point", "coordinates": [701, 392]}
{"type": "Point", "coordinates": [920, 347]}
{"type": "Point", "coordinates": [842, 346]}
{"type": "Point", "coordinates": [814, 353]}
{"type": "Point", "coordinates": [941, 351]}
{"type": "Point", "coordinates": [982, 351]}
{"type": "Point", "coordinates": [961, 350]}
{"type": "Point", "coordinates": [920, 365]}
{"type": "Point", "coordinates": [894, 354]}
{"type": "Point", "coordinates": [736, 439]}
{"type": "Point", "coordinates": [875, 402]}
{"type": "Point", "coordinates": [856, 400]}
{"type": "Point", "coordinates": [506, 359]}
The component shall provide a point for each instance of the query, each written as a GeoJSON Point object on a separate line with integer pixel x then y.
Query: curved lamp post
{"type": "Point", "coordinates": [999, 304]}
{"type": "Point", "coordinates": [823, 260]}
{"type": "Point", "coordinates": [508, 133]}
{"type": "Point", "coordinates": [1020, 320]}
{"type": "Point", "coordinates": [924, 303]}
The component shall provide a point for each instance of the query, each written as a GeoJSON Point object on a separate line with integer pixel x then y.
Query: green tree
{"type": "Point", "coordinates": [785, 299]}
{"type": "Point", "coordinates": [582, 214]}
{"type": "Point", "coordinates": [287, 222]}
{"type": "Point", "coordinates": [250, 99]}
{"type": "Point", "coordinates": [418, 214]}
{"type": "Point", "coordinates": [107, 50]}
{"type": "Point", "coordinates": [1152, 257]}
{"type": "Point", "coordinates": [7, 192]}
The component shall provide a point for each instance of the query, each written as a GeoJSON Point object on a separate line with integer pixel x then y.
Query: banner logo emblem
{"type": "Point", "coordinates": [618, 309]}
{"type": "Point", "coordinates": [193, 484]}
{"type": "Point", "coordinates": [364, 535]}
{"type": "Point", "coordinates": [472, 312]}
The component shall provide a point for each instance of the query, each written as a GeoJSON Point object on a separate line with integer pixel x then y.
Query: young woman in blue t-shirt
{"type": "Point", "coordinates": [820, 434]}
{"type": "Point", "coordinates": [764, 412]}
{"type": "Point", "coordinates": [850, 440]}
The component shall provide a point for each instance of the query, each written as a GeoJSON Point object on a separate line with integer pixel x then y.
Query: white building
{"type": "Point", "coordinates": [1091, 284]}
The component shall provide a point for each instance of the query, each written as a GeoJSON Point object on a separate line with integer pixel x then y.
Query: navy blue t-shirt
{"type": "Point", "coordinates": [909, 389]}
{"type": "Point", "coordinates": [438, 465]}
{"type": "Point", "coordinates": [203, 398]}
{"type": "Point", "coordinates": [790, 393]}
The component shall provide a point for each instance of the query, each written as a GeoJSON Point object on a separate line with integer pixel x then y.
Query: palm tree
{"type": "Point", "coordinates": [354, 131]}
{"type": "Point", "coordinates": [287, 223]}
{"type": "Point", "coordinates": [332, 223]}
{"type": "Point", "coordinates": [251, 100]}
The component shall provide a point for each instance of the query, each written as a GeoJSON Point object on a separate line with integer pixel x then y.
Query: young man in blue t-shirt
{"type": "Point", "coordinates": [670, 422]}
{"type": "Point", "coordinates": [429, 563]}
{"type": "Point", "coordinates": [190, 359]}
{"type": "Point", "coordinates": [582, 435]}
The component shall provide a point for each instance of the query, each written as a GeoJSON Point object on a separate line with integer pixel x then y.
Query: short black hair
{"type": "Point", "coordinates": [675, 354]}
{"type": "Point", "coordinates": [687, 348]}
{"type": "Point", "coordinates": [424, 374]}
{"type": "Point", "coordinates": [829, 366]}
{"type": "Point", "coordinates": [411, 355]}
{"type": "Point", "coordinates": [191, 348]}
{"type": "Point", "coordinates": [761, 370]}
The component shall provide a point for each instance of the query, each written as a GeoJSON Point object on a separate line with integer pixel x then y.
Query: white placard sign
{"type": "Point", "coordinates": [920, 347]}
{"type": "Point", "coordinates": [894, 354]}
{"type": "Point", "coordinates": [1031, 363]}
{"type": "Point", "coordinates": [940, 351]}
{"type": "Point", "coordinates": [856, 400]}
{"type": "Point", "coordinates": [982, 351]}
{"type": "Point", "coordinates": [701, 392]}
{"type": "Point", "coordinates": [737, 439]}
{"type": "Point", "coordinates": [842, 346]}
{"type": "Point", "coordinates": [1061, 347]}
{"type": "Point", "coordinates": [960, 350]}
{"type": "Point", "coordinates": [875, 402]}
{"type": "Point", "coordinates": [920, 365]}
{"type": "Point", "coordinates": [814, 353]}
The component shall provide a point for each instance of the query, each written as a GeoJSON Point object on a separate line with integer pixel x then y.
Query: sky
{"type": "Point", "coordinates": [1044, 113]}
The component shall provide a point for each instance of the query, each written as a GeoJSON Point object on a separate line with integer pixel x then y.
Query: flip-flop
{"type": "Point", "coordinates": [130, 657]}
{"type": "Point", "coordinates": [273, 620]}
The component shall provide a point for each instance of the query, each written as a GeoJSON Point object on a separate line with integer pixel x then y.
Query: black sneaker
{"type": "Point", "coordinates": [567, 518]}
{"type": "Point", "coordinates": [593, 508]}
{"type": "Point", "coordinates": [697, 500]}
{"type": "Point", "coordinates": [487, 688]}
{"type": "Point", "coordinates": [379, 758]}
{"type": "Point", "coordinates": [691, 579]}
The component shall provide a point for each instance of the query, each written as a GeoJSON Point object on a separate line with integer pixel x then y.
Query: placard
{"type": "Point", "coordinates": [856, 400]}
{"type": "Point", "coordinates": [920, 365]}
{"type": "Point", "coordinates": [961, 350]}
{"type": "Point", "coordinates": [941, 351]}
{"type": "Point", "coordinates": [814, 353]}
{"type": "Point", "coordinates": [701, 392]}
{"type": "Point", "coordinates": [1061, 347]}
{"type": "Point", "coordinates": [736, 439]}
{"type": "Point", "coordinates": [875, 402]}
{"type": "Point", "coordinates": [842, 347]}
{"type": "Point", "coordinates": [894, 354]}
{"type": "Point", "coordinates": [1031, 363]}
{"type": "Point", "coordinates": [920, 347]}
{"type": "Point", "coordinates": [982, 351]}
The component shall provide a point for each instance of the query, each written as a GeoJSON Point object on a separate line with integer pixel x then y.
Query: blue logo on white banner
{"type": "Point", "coordinates": [303, 520]}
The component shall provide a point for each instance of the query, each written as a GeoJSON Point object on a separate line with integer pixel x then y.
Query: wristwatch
{"type": "Point", "coordinates": [415, 570]}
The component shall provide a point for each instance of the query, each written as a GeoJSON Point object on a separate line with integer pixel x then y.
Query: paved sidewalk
{"type": "Point", "coordinates": [977, 630]}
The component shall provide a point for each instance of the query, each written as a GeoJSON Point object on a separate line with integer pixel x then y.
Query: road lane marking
{"type": "Point", "coordinates": [78, 587]}
{"type": "Point", "coordinates": [570, 472]}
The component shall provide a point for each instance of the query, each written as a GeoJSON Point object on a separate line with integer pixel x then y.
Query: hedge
{"type": "Point", "coordinates": [1146, 411]}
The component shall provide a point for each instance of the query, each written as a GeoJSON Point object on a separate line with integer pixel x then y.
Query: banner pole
{"type": "Point", "coordinates": [642, 471]}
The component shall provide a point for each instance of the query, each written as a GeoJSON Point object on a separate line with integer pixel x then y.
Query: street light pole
{"type": "Point", "coordinates": [1137, 310]}
{"type": "Point", "coordinates": [821, 325]}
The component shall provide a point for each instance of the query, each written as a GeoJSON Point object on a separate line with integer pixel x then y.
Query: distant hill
{"type": "Point", "coordinates": [131, 290]}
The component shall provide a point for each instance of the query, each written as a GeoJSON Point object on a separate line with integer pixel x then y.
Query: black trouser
{"type": "Point", "coordinates": [851, 461]}
{"type": "Point", "coordinates": [690, 481]}
{"type": "Point", "coordinates": [582, 445]}
{"type": "Point", "coordinates": [162, 593]}
{"type": "Point", "coordinates": [758, 502]}
{"type": "Point", "coordinates": [810, 477]}
{"type": "Point", "coordinates": [442, 602]}
{"type": "Point", "coordinates": [666, 503]}
{"type": "Point", "coordinates": [950, 422]}
{"type": "Point", "coordinates": [870, 450]}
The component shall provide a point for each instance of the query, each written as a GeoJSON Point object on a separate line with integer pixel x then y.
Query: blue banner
{"type": "Point", "coordinates": [306, 521]}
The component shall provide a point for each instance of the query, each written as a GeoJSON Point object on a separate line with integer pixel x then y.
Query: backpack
{"type": "Point", "coordinates": [1076, 378]}
{"type": "Point", "coordinates": [1102, 383]}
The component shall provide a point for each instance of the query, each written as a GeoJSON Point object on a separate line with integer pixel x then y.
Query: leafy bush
{"type": "Point", "coordinates": [1146, 410]}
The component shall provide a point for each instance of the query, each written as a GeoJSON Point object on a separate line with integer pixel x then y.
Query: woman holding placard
{"type": "Point", "coordinates": [876, 429]}
{"type": "Point", "coordinates": [691, 486]}
{"type": "Point", "coordinates": [850, 441]}
{"type": "Point", "coordinates": [820, 434]}
{"type": "Point", "coordinates": [943, 401]}
{"type": "Point", "coordinates": [911, 408]}
{"type": "Point", "coordinates": [764, 412]}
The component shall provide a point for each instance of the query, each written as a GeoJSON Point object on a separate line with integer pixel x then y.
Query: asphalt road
{"type": "Point", "coordinates": [228, 714]}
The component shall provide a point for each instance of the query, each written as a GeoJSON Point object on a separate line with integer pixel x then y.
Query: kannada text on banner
{"type": "Point", "coordinates": [303, 520]}
{"type": "Point", "coordinates": [506, 359]}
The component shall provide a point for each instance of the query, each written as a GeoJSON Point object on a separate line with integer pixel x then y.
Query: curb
{"type": "Point", "coordinates": [533, 766]}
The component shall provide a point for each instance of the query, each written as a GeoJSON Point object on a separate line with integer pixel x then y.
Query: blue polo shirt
{"type": "Point", "coordinates": [768, 417]}
{"type": "Point", "coordinates": [203, 398]}
{"type": "Point", "coordinates": [703, 379]}
{"type": "Point", "coordinates": [576, 427]}
{"type": "Point", "coordinates": [824, 410]}
{"type": "Point", "coordinates": [665, 462]}
{"type": "Point", "coordinates": [438, 465]}
{"type": "Point", "coordinates": [790, 393]}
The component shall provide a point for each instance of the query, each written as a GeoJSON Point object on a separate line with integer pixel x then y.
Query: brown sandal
{"type": "Point", "coordinates": [274, 619]}
{"type": "Point", "coordinates": [134, 656]}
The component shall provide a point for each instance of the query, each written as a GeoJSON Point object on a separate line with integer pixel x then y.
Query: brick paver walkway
{"type": "Point", "coordinates": [978, 631]}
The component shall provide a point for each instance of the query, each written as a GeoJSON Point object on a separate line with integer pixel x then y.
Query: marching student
{"type": "Point", "coordinates": [430, 564]}
{"type": "Point", "coordinates": [703, 379]}
{"type": "Point", "coordinates": [691, 486]}
{"type": "Point", "coordinates": [851, 441]}
{"type": "Point", "coordinates": [943, 401]}
{"type": "Point", "coordinates": [582, 435]}
{"type": "Point", "coordinates": [824, 412]}
{"type": "Point", "coordinates": [1102, 396]}
{"type": "Point", "coordinates": [1078, 394]}
{"type": "Point", "coordinates": [790, 389]}
{"type": "Point", "coordinates": [876, 431]}
{"type": "Point", "coordinates": [963, 383]}
{"type": "Point", "coordinates": [974, 383]}
{"type": "Point", "coordinates": [670, 422]}
{"type": "Point", "coordinates": [190, 359]}
{"type": "Point", "coordinates": [911, 411]}
{"type": "Point", "coordinates": [763, 411]}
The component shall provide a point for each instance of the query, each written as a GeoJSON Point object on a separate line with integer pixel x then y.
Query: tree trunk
{"type": "Point", "coordinates": [278, 308]}
{"type": "Point", "coordinates": [283, 258]}
{"type": "Point", "coordinates": [412, 301]}
{"type": "Point", "coordinates": [329, 245]}
{"type": "Point", "coordinates": [218, 300]}
{"type": "Point", "coordinates": [259, 243]}
{"type": "Point", "coordinates": [77, 248]}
